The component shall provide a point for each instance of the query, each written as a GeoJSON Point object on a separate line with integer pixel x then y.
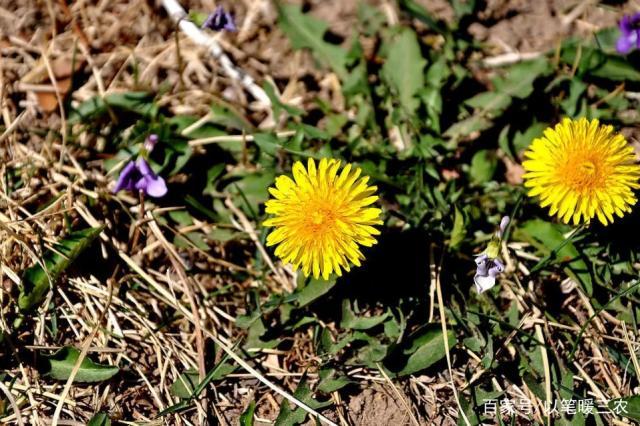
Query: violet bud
{"type": "Point", "coordinates": [150, 142]}
{"type": "Point", "coordinates": [220, 20]}
{"type": "Point", "coordinates": [503, 226]}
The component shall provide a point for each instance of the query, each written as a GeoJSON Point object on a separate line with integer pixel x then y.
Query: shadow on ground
{"type": "Point", "coordinates": [395, 270]}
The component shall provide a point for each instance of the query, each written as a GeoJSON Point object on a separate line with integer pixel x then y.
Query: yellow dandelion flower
{"type": "Point", "coordinates": [321, 217]}
{"type": "Point", "coordinates": [582, 169]}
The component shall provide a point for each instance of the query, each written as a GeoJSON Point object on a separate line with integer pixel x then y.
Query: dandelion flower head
{"type": "Point", "coordinates": [322, 216]}
{"type": "Point", "coordinates": [581, 169]}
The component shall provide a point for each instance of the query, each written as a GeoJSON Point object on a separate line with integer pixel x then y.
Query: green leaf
{"type": "Point", "coordinates": [491, 102]}
{"type": "Point", "coordinates": [571, 104]}
{"type": "Point", "coordinates": [254, 337]}
{"type": "Point", "coordinates": [272, 145]}
{"type": "Point", "coordinates": [533, 383]}
{"type": "Point", "coordinates": [459, 230]}
{"type": "Point", "coordinates": [353, 322]}
{"type": "Point", "coordinates": [463, 8]}
{"type": "Point", "coordinates": [549, 238]}
{"type": "Point", "coordinates": [279, 106]}
{"type": "Point", "coordinates": [60, 364]}
{"type": "Point", "coordinates": [373, 352]}
{"type": "Point", "coordinates": [246, 419]}
{"type": "Point", "coordinates": [289, 417]}
{"type": "Point", "coordinates": [314, 290]}
{"type": "Point", "coordinates": [225, 115]}
{"type": "Point", "coordinates": [330, 381]}
{"type": "Point", "coordinates": [596, 63]}
{"type": "Point", "coordinates": [185, 384]}
{"type": "Point", "coordinates": [140, 103]}
{"type": "Point", "coordinates": [188, 384]}
{"type": "Point", "coordinates": [404, 69]}
{"type": "Point", "coordinates": [419, 12]}
{"type": "Point", "coordinates": [191, 239]}
{"type": "Point", "coordinates": [518, 80]}
{"type": "Point", "coordinates": [628, 406]}
{"type": "Point", "coordinates": [305, 31]}
{"type": "Point", "coordinates": [426, 349]}
{"type": "Point", "coordinates": [370, 18]}
{"type": "Point", "coordinates": [250, 191]}
{"type": "Point", "coordinates": [483, 166]}
{"type": "Point", "coordinates": [35, 281]}
{"type": "Point", "coordinates": [464, 128]}
{"type": "Point", "coordinates": [607, 38]}
{"type": "Point", "coordinates": [522, 140]}
{"type": "Point", "coordinates": [100, 419]}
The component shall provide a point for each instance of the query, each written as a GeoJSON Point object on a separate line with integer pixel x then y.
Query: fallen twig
{"type": "Point", "coordinates": [178, 14]}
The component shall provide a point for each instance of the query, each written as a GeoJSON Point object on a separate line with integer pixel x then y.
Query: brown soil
{"type": "Point", "coordinates": [375, 407]}
{"type": "Point", "coordinates": [540, 25]}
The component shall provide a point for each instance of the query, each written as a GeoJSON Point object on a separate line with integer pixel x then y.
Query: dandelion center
{"type": "Point", "coordinates": [321, 217]}
{"type": "Point", "coordinates": [583, 174]}
{"type": "Point", "coordinates": [581, 169]}
{"type": "Point", "coordinates": [322, 220]}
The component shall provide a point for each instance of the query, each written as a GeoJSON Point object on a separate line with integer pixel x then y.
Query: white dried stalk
{"type": "Point", "coordinates": [178, 14]}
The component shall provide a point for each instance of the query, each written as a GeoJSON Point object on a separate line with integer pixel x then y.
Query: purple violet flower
{"type": "Point", "coordinates": [629, 33]}
{"type": "Point", "coordinates": [488, 266]}
{"type": "Point", "coordinates": [487, 271]}
{"type": "Point", "coordinates": [137, 175]}
{"type": "Point", "coordinates": [220, 20]}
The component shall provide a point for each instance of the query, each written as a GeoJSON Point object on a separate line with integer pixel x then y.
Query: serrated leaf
{"type": "Point", "coordinates": [61, 363]}
{"type": "Point", "coordinates": [571, 104]}
{"type": "Point", "coordinates": [289, 417]}
{"type": "Point", "coordinates": [254, 337]}
{"type": "Point", "coordinates": [136, 102]}
{"type": "Point", "coordinates": [272, 145]}
{"type": "Point", "coordinates": [353, 322]}
{"type": "Point", "coordinates": [404, 69]}
{"type": "Point", "coordinates": [305, 31]}
{"type": "Point", "coordinates": [492, 101]}
{"type": "Point", "coordinates": [464, 128]}
{"type": "Point", "coordinates": [35, 281]}
{"type": "Point", "coordinates": [314, 290]}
